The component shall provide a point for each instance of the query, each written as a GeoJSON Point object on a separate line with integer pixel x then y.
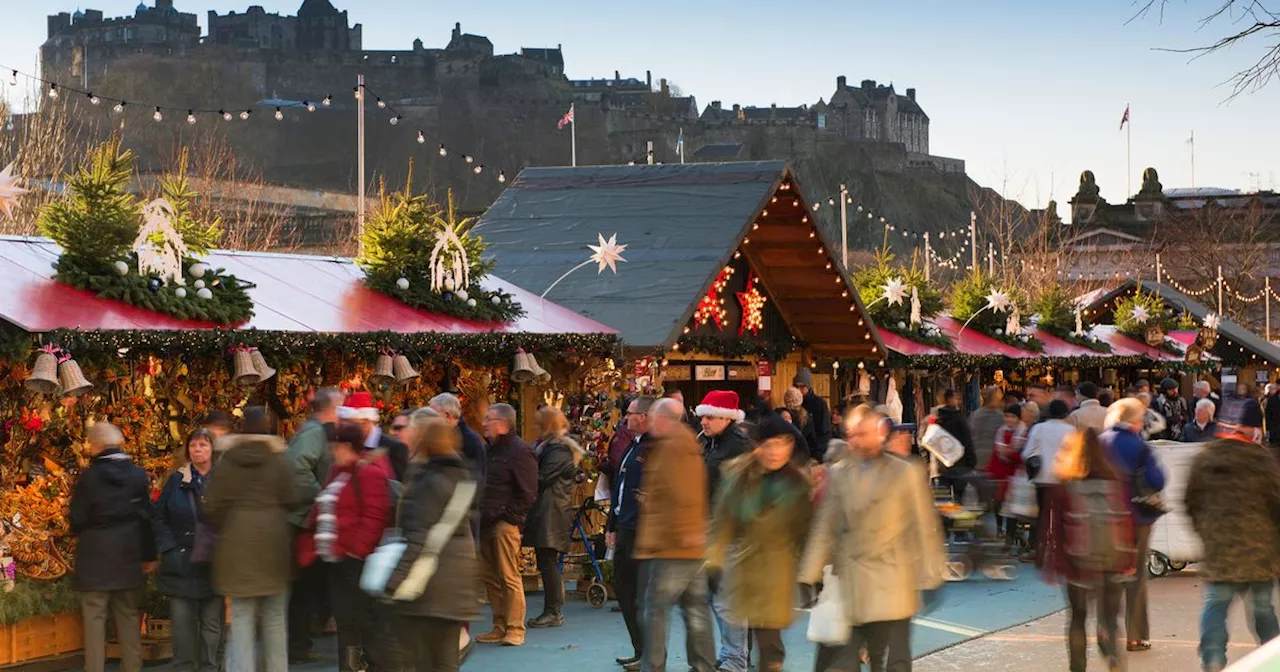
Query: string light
{"type": "Point", "coordinates": [356, 91]}
{"type": "Point", "coordinates": [478, 169]}
{"type": "Point", "coordinates": [244, 116]}
{"type": "Point", "coordinates": [191, 117]}
{"type": "Point", "coordinates": [443, 151]}
{"type": "Point", "coordinates": [502, 177]}
{"type": "Point", "coordinates": [13, 79]}
{"type": "Point", "coordinates": [328, 100]}
{"type": "Point", "coordinates": [382, 105]}
{"type": "Point", "coordinates": [468, 158]}
{"type": "Point", "coordinates": [119, 107]}
{"type": "Point", "coordinates": [421, 138]}
{"type": "Point", "coordinates": [157, 115]}
{"type": "Point", "coordinates": [394, 120]}
{"type": "Point", "coordinates": [53, 90]}
{"type": "Point", "coordinates": [279, 114]}
{"type": "Point", "coordinates": [94, 100]}
{"type": "Point", "coordinates": [225, 115]}
{"type": "Point", "coordinates": [311, 107]}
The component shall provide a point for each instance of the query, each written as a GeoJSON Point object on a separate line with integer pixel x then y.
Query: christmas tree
{"type": "Point", "coordinates": [97, 221]}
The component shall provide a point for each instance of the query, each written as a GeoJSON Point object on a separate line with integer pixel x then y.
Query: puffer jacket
{"type": "Point", "coordinates": [452, 592]}
{"type": "Point", "coordinates": [552, 513]}
{"type": "Point", "coordinates": [716, 450]}
{"type": "Point", "coordinates": [111, 519]}
{"type": "Point", "coordinates": [248, 501]}
{"type": "Point", "coordinates": [176, 514]}
{"type": "Point", "coordinates": [1233, 498]}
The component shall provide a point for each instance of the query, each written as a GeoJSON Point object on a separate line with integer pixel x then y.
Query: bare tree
{"type": "Point", "coordinates": [1249, 20]}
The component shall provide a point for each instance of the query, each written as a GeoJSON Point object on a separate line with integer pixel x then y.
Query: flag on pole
{"type": "Point", "coordinates": [1123, 120]}
{"type": "Point", "coordinates": [566, 119]}
{"type": "Point", "coordinates": [1192, 140]}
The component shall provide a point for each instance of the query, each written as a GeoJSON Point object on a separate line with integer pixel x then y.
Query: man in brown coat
{"type": "Point", "coordinates": [671, 540]}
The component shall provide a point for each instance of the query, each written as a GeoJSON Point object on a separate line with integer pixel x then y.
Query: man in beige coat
{"type": "Point", "coordinates": [878, 527]}
{"type": "Point", "coordinates": [1091, 414]}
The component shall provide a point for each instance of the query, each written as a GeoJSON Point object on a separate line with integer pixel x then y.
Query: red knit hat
{"type": "Point", "coordinates": [358, 406]}
{"type": "Point", "coordinates": [721, 404]}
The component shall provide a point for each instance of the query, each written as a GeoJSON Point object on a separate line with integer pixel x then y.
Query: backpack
{"type": "Point", "coordinates": [1099, 526]}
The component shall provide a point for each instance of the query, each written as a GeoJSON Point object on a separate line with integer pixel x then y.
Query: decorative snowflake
{"type": "Point", "coordinates": [159, 246]}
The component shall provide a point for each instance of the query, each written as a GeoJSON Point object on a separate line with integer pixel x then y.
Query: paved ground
{"type": "Point", "coordinates": [592, 638]}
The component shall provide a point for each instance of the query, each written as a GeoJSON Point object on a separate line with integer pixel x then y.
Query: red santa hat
{"type": "Point", "coordinates": [358, 406]}
{"type": "Point", "coordinates": [721, 404]}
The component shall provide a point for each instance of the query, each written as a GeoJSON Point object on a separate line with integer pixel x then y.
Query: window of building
{"type": "Point", "coordinates": [822, 121]}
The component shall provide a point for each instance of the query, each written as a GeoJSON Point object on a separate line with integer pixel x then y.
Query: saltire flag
{"type": "Point", "coordinates": [1123, 120]}
{"type": "Point", "coordinates": [567, 118]}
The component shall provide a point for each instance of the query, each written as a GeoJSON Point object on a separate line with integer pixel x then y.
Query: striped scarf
{"type": "Point", "coordinates": [327, 517]}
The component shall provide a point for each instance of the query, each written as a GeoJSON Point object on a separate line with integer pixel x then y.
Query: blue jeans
{"type": "Point", "coordinates": [248, 615]}
{"type": "Point", "coordinates": [670, 583]}
{"type": "Point", "coordinates": [1213, 620]}
{"type": "Point", "coordinates": [733, 636]}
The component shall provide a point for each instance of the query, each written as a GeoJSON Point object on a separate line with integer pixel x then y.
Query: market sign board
{"type": "Point", "coordinates": [709, 372]}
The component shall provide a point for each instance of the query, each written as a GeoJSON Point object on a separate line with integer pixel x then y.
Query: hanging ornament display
{"type": "Point", "coordinates": [10, 190]}
{"type": "Point", "coordinates": [245, 373]}
{"type": "Point", "coordinates": [44, 374]}
{"type": "Point", "coordinates": [1208, 336]}
{"type": "Point", "coordinates": [752, 301]}
{"type": "Point", "coordinates": [70, 377]}
{"type": "Point", "coordinates": [711, 306]}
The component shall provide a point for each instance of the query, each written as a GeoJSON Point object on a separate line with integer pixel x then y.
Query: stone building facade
{"type": "Point", "coordinates": [81, 46]}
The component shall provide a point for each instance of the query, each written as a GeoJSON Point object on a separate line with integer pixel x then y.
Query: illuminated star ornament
{"type": "Point", "coordinates": [998, 301]}
{"type": "Point", "coordinates": [1211, 321]}
{"type": "Point", "coordinates": [752, 307]}
{"type": "Point", "coordinates": [10, 190]}
{"type": "Point", "coordinates": [607, 253]}
{"type": "Point", "coordinates": [1140, 314]}
{"type": "Point", "coordinates": [895, 291]}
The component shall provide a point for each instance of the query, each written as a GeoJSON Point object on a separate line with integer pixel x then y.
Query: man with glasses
{"type": "Point", "coordinates": [504, 505]}
{"type": "Point", "coordinates": [620, 531]}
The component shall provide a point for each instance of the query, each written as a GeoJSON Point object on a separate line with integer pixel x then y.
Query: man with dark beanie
{"type": "Point", "coordinates": [819, 411]}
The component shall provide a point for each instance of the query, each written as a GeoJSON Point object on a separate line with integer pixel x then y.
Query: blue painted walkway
{"type": "Point", "coordinates": [592, 638]}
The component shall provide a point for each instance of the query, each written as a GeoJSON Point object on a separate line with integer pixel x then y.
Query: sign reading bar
{"type": "Point", "coordinates": [709, 372]}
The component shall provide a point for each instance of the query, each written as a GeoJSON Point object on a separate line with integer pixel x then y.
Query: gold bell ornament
{"type": "Point", "coordinates": [44, 375]}
{"type": "Point", "coordinates": [403, 370]}
{"type": "Point", "coordinates": [540, 375]}
{"type": "Point", "coordinates": [265, 372]}
{"type": "Point", "coordinates": [245, 373]}
{"type": "Point", "coordinates": [522, 369]}
{"type": "Point", "coordinates": [71, 377]}
{"type": "Point", "coordinates": [383, 370]}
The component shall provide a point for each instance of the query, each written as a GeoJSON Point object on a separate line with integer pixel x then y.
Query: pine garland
{"type": "Point", "coordinates": [229, 305]}
{"type": "Point", "coordinates": [871, 281]}
{"type": "Point", "coordinates": [1056, 315]}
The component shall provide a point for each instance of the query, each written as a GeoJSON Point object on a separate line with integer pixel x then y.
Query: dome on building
{"type": "Point", "coordinates": [78, 15]}
{"type": "Point", "coordinates": [142, 7]}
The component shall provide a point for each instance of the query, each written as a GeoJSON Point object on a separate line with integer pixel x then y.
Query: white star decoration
{"type": "Point", "coordinates": [998, 300]}
{"type": "Point", "coordinates": [10, 190]}
{"type": "Point", "coordinates": [1140, 314]}
{"type": "Point", "coordinates": [607, 253]}
{"type": "Point", "coordinates": [1211, 321]}
{"type": "Point", "coordinates": [895, 291]}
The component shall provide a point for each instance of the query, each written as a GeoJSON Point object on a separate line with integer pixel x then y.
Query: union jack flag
{"type": "Point", "coordinates": [567, 118]}
{"type": "Point", "coordinates": [1123, 120]}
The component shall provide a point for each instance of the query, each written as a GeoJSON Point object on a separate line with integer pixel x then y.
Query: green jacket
{"type": "Point", "coordinates": [309, 459]}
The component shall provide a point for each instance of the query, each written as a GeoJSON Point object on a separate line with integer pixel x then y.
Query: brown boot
{"type": "Point", "coordinates": [513, 639]}
{"type": "Point", "coordinates": [492, 637]}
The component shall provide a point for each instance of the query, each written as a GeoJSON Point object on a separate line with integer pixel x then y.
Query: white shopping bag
{"type": "Point", "coordinates": [1021, 499]}
{"type": "Point", "coordinates": [828, 624]}
{"type": "Point", "coordinates": [942, 445]}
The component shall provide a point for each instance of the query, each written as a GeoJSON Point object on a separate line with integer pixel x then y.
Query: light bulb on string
{"type": "Point", "coordinates": [421, 138]}
{"type": "Point", "coordinates": [244, 116]}
{"type": "Point", "coordinates": [191, 117]}
{"type": "Point", "coordinates": [356, 91]}
{"type": "Point", "coordinates": [468, 159]}
{"type": "Point", "coordinates": [502, 177]}
{"type": "Point", "coordinates": [157, 115]}
{"type": "Point", "coordinates": [225, 115]}
{"type": "Point", "coordinates": [13, 78]}
{"type": "Point", "coordinates": [119, 107]}
{"type": "Point", "coordinates": [328, 100]}
{"type": "Point", "coordinates": [94, 100]}
{"type": "Point", "coordinates": [478, 169]}
{"type": "Point", "coordinates": [382, 104]}
{"type": "Point", "coordinates": [395, 120]}
{"type": "Point", "coordinates": [279, 114]}
{"type": "Point", "coordinates": [443, 151]}
{"type": "Point", "coordinates": [311, 107]}
{"type": "Point", "coordinates": [53, 90]}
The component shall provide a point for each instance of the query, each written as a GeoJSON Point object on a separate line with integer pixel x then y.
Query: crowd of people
{"type": "Point", "coordinates": [733, 516]}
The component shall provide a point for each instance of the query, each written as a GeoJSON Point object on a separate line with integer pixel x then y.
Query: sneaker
{"type": "Point", "coordinates": [491, 637]}
{"type": "Point", "coordinates": [513, 640]}
{"type": "Point", "coordinates": [547, 621]}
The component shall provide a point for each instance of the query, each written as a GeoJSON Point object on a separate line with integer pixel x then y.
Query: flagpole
{"type": "Point", "coordinates": [682, 144]}
{"type": "Point", "coordinates": [573, 134]}
{"type": "Point", "coordinates": [360, 204]}
{"type": "Point", "coordinates": [1128, 151]}
{"type": "Point", "coordinates": [1193, 158]}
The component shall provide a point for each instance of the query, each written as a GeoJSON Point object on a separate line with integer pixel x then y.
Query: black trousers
{"type": "Point", "coordinates": [626, 583]}
{"type": "Point", "coordinates": [772, 651]}
{"type": "Point", "coordinates": [428, 644]}
{"type": "Point", "coordinates": [308, 600]}
{"type": "Point", "coordinates": [1108, 596]}
{"type": "Point", "coordinates": [358, 618]}
{"type": "Point", "coordinates": [888, 645]}
{"type": "Point", "coordinates": [552, 582]}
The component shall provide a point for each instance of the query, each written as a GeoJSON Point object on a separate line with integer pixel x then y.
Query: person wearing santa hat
{"type": "Point", "coordinates": [360, 410]}
{"type": "Point", "coordinates": [723, 438]}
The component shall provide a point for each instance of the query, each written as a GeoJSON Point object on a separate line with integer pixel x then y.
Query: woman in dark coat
{"type": "Point", "coordinates": [431, 607]}
{"type": "Point", "coordinates": [551, 518]}
{"type": "Point", "coordinates": [197, 613]}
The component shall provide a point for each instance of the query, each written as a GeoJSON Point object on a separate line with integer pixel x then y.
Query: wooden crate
{"type": "Point", "coordinates": [40, 637]}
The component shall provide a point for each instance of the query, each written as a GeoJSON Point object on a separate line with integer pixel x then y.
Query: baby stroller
{"type": "Point", "coordinates": [588, 530]}
{"type": "Point", "coordinates": [972, 537]}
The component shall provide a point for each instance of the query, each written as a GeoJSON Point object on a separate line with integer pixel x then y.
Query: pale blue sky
{"type": "Point", "coordinates": [1029, 93]}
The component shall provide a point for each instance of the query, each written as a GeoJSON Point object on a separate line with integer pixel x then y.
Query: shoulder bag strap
{"type": "Point", "coordinates": [424, 566]}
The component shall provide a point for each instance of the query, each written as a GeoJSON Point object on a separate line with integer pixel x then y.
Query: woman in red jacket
{"type": "Point", "coordinates": [1004, 463]}
{"type": "Point", "coordinates": [348, 520]}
